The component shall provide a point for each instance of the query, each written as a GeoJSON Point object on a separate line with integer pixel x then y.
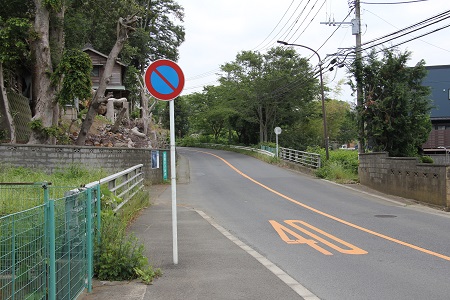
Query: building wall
{"type": "Point", "coordinates": [406, 177]}
{"type": "Point", "coordinates": [49, 158]}
{"type": "Point", "coordinates": [438, 79]}
{"type": "Point", "coordinates": [438, 138]}
{"type": "Point", "coordinates": [98, 60]}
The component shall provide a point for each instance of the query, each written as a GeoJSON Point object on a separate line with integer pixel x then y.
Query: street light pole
{"type": "Point", "coordinates": [325, 131]}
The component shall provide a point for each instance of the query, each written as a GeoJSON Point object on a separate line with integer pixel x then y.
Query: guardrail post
{"type": "Point", "coordinates": [89, 250]}
{"type": "Point", "coordinates": [13, 257]}
{"type": "Point", "coordinates": [52, 247]}
{"type": "Point", "coordinates": [99, 212]}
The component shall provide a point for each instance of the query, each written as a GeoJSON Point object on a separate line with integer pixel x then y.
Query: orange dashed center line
{"type": "Point", "coordinates": [330, 216]}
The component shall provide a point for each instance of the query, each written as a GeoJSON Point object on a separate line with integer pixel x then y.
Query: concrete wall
{"type": "Point", "coordinates": [112, 160]}
{"type": "Point", "coordinates": [406, 177]}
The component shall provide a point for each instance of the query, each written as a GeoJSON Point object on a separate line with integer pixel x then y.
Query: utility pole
{"type": "Point", "coordinates": [358, 67]}
{"type": "Point", "coordinates": [356, 31]}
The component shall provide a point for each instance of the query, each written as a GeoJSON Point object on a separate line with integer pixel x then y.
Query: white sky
{"type": "Point", "coordinates": [217, 30]}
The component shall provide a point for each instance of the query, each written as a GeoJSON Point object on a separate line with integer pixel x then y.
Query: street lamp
{"type": "Point", "coordinates": [325, 131]}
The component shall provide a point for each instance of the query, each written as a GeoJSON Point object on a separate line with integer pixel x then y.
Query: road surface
{"type": "Point", "coordinates": [337, 242]}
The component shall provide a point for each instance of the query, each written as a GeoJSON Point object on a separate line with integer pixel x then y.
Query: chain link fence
{"type": "Point", "coordinates": [46, 248]}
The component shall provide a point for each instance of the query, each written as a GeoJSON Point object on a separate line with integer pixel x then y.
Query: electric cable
{"type": "Point", "coordinates": [388, 3]}
{"type": "Point", "coordinates": [309, 21]}
{"type": "Point", "coordinates": [275, 25]}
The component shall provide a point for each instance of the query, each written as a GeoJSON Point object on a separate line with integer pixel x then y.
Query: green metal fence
{"type": "Point", "coordinates": [46, 250]}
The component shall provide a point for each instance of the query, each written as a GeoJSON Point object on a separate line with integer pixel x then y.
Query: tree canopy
{"type": "Point", "coordinates": [65, 26]}
{"type": "Point", "coordinates": [396, 109]}
{"type": "Point", "coordinates": [269, 89]}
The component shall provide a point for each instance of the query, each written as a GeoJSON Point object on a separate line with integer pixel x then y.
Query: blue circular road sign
{"type": "Point", "coordinates": [164, 79]}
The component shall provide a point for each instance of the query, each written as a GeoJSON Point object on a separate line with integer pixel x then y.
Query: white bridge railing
{"type": "Point", "coordinates": [307, 159]}
{"type": "Point", "coordinates": [124, 184]}
{"type": "Point", "coordinates": [310, 160]}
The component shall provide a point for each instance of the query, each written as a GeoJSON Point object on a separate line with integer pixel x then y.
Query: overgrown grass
{"type": "Point", "coordinates": [71, 175]}
{"type": "Point", "coordinates": [342, 166]}
{"type": "Point", "coordinates": [119, 255]}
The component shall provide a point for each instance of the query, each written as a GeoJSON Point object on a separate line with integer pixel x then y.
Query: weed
{"type": "Point", "coordinates": [148, 274]}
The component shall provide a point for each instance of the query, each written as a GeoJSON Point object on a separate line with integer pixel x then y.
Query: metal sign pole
{"type": "Point", "coordinates": [277, 131]}
{"type": "Point", "coordinates": [173, 182]}
{"type": "Point", "coordinates": [164, 80]}
{"type": "Point", "coordinates": [276, 135]}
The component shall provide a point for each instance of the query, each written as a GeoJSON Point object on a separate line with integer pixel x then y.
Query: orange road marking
{"type": "Point", "coordinates": [352, 249]}
{"type": "Point", "coordinates": [281, 230]}
{"type": "Point", "coordinates": [331, 216]}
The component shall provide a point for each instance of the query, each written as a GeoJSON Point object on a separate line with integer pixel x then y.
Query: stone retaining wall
{"type": "Point", "coordinates": [49, 158]}
{"type": "Point", "coordinates": [406, 177]}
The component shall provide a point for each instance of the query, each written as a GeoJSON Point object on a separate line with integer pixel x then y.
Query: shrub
{"type": "Point", "coordinates": [188, 141]}
{"type": "Point", "coordinates": [342, 165]}
{"type": "Point", "coordinates": [120, 256]}
{"type": "Point", "coordinates": [426, 160]}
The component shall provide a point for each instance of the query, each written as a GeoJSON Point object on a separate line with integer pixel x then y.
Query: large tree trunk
{"type": "Point", "coordinates": [43, 91]}
{"type": "Point", "coordinates": [144, 105]}
{"type": "Point", "coordinates": [261, 124]}
{"type": "Point", "coordinates": [124, 26]}
{"type": "Point", "coordinates": [57, 51]}
{"type": "Point", "coordinates": [9, 117]}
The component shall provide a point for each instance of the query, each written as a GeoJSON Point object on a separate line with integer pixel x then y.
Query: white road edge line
{"type": "Point", "coordinates": [283, 276]}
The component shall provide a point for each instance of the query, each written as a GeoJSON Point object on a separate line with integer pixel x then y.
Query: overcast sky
{"type": "Point", "coordinates": [217, 30]}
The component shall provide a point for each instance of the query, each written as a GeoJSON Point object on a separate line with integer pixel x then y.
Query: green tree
{"type": "Point", "coordinates": [157, 34]}
{"type": "Point", "coordinates": [209, 112]}
{"type": "Point", "coordinates": [341, 123]}
{"type": "Point", "coordinates": [13, 48]}
{"type": "Point", "coordinates": [70, 24]}
{"type": "Point", "coordinates": [74, 71]}
{"type": "Point", "coordinates": [45, 51]}
{"type": "Point", "coordinates": [270, 88]}
{"type": "Point", "coordinates": [396, 110]}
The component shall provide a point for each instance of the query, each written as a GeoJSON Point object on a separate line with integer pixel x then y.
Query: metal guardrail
{"type": "Point", "coordinates": [261, 151]}
{"type": "Point", "coordinates": [307, 159]}
{"type": "Point", "coordinates": [310, 160]}
{"type": "Point", "coordinates": [124, 184]}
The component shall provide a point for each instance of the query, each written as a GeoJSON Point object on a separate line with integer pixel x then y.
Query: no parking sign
{"type": "Point", "coordinates": [164, 79]}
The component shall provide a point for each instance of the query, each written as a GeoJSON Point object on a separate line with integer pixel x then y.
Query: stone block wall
{"type": "Point", "coordinates": [49, 158]}
{"type": "Point", "coordinates": [406, 177]}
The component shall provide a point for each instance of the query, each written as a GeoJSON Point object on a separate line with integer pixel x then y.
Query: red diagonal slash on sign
{"type": "Point", "coordinates": [164, 79]}
{"type": "Point", "coordinates": [164, 88]}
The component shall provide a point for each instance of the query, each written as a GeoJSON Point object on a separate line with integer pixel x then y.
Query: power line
{"type": "Point", "coordinates": [406, 33]}
{"type": "Point", "coordinates": [209, 73]}
{"type": "Point", "coordinates": [287, 22]}
{"type": "Point", "coordinates": [417, 37]}
{"type": "Point", "coordinates": [339, 26]}
{"type": "Point", "coordinates": [442, 17]}
{"type": "Point", "coordinates": [284, 37]}
{"type": "Point", "coordinates": [202, 75]}
{"type": "Point", "coordinates": [276, 25]}
{"type": "Point", "coordinates": [397, 28]}
{"type": "Point", "coordinates": [408, 30]}
{"type": "Point", "coordinates": [388, 3]}
{"type": "Point", "coordinates": [309, 21]}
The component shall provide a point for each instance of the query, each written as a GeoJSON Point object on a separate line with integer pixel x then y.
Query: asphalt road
{"type": "Point", "coordinates": [337, 242]}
